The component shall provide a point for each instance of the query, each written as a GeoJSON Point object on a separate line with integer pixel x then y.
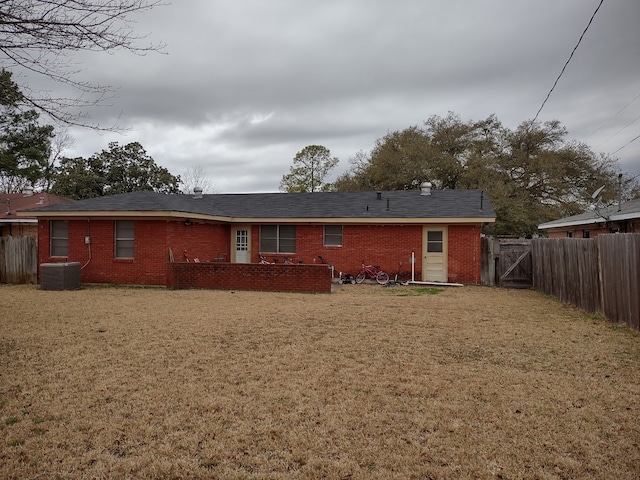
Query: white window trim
{"type": "Point", "coordinates": [118, 239]}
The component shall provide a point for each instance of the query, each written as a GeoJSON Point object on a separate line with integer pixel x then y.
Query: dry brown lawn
{"type": "Point", "coordinates": [364, 383]}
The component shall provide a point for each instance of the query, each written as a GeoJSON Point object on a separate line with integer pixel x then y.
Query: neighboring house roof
{"type": "Point", "coordinates": [11, 203]}
{"type": "Point", "coordinates": [362, 207]}
{"type": "Point", "coordinates": [626, 211]}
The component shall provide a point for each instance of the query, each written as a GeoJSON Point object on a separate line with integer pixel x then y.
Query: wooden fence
{"type": "Point", "coordinates": [18, 260]}
{"type": "Point", "coordinates": [600, 275]}
{"type": "Point", "coordinates": [505, 262]}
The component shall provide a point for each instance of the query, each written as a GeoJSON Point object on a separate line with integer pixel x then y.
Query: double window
{"type": "Point", "coordinates": [59, 238]}
{"type": "Point", "coordinates": [278, 238]}
{"type": "Point", "coordinates": [124, 238]}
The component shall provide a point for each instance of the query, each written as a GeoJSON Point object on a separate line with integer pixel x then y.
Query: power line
{"type": "Point", "coordinates": [617, 113]}
{"type": "Point", "coordinates": [631, 122]}
{"type": "Point", "coordinates": [565, 65]}
{"type": "Point", "coordinates": [630, 141]}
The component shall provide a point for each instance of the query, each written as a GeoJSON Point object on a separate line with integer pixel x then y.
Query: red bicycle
{"type": "Point", "coordinates": [371, 271]}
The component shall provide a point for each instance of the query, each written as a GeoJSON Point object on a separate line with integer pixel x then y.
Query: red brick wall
{"type": "Point", "coordinates": [464, 254]}
{"type": "Point", "coordinates": [204, 242]}
{"type": "Point", "coordinates": [153, 239]}
{"type": "Point", "coordinates": [385, 246]}
{"type": "Point", "coordinates": [250, 276]}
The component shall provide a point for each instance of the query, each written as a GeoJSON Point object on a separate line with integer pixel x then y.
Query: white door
{"type": "Point", "coordinates": [434, 254]}
{"type": "Point", "coordinates": [241, 245]}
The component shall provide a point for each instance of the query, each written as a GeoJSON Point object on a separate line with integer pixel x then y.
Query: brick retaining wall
{"type": "Point", "coordinates": [250, 276]}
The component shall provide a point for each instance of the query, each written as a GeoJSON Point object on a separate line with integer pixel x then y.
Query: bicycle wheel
{"type": "Point", "coordinates": [360, 277]}
{"type": "Point", "coordinates": [382, 278]}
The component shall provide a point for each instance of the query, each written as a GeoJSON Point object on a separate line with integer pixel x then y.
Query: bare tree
{"type": "Point", "coordinates": [195, 177]}
{"type": "Point", "coordinates": [40, 35]}
{"type": "Point", "coordinates": [61, 141]}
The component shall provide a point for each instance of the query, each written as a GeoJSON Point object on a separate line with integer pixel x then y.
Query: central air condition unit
{"type": "Point", "coordinates": [60, 276]}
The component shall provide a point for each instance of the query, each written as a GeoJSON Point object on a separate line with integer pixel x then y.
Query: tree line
{"type": "Point", "coordinates": [532, 174]}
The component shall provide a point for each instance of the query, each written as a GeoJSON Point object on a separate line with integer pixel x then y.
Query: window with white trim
{"type": "Point", "coordinates": [277, 238]}
{"type": "Point", "coordinates": [59, 238]}
{"type": "Point", "coordinates": [435, 243]}
{"type": "Point", "coordinates": [124, 238]}
{"type": "Point", "coordinates": [333, 235]}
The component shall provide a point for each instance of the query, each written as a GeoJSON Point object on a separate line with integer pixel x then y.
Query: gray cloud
{"type": "Point", "coordinates": [245, 85]}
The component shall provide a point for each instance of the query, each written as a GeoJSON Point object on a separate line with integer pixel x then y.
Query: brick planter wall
{"type": "Point", "coordinates": [250, 276]}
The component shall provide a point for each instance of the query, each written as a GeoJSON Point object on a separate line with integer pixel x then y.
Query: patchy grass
{"type": "Point", "coordinates": [412, 291]}
{"type": "Point", "coordinates": [362, 383]}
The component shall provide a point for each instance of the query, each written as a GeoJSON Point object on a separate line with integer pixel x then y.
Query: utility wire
{"type": "Point", "coordinates": [617, 113]}
{"type": "Point", "coordinates": [565, 65]}
{"type": "Point", "coordinates": [630, 141]}
{"type": "Point", "coordinates": [631, 122]}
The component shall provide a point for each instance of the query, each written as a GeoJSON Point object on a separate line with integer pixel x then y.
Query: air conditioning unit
{"type": "Point", "coordinates": [60, 276]}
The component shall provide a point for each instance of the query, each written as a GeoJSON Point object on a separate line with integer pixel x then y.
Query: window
{"type": "Point", "coordinates": [59, 238]}
{"type": "Point", "coordinates": [586, 234]}
{"type": "Point", "coordinates": [570, 234]}
{"type": "Point", "coordinates": [434, 241]}
{"type": "Point", "coordinates": [278, 238]}
{"type": "Point", "coordinates": [333, 235]}
{"type": "Point", "coordinates": [124, 238]}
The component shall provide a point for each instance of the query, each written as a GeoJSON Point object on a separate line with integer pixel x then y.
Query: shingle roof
{"type": "Point", "coordinates": [319, 205]}
{"type": "Point", "coordinates": [10, 203]}
{"type": "Point", "coordinates": [626, 211]}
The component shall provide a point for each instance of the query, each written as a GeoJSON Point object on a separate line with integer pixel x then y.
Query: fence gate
{"type": "Point", "coordinates": [515, 269]}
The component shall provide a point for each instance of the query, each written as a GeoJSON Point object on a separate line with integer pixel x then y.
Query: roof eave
{"type": "Point", "coordinates": [21, 220]}
{"type": "Point", "coordinates": [243, 220]}
{"type": "Point", "coordinates": [589, 221]}
{"type": "Point", "coordinates": [572, 223]}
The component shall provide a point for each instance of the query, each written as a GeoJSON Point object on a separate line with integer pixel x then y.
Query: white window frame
{"type": "Point", "coordinates": [124, 238]}
{"type": "Point", "coordinates": [434, 244]}
{"type": "Point", "coordinates": [333, 239]}
{"type": "Point", "coordinates": [59, 238]}
{"type": "Point", "coordinates": [278, 240]}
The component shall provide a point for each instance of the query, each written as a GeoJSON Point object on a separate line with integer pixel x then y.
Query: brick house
{"type": "Point", "coordinates": [10, 203]}
{"type": "Point", "coordinates": [617, 218]}
{"type": "Point", "coordinates": [133, 238]}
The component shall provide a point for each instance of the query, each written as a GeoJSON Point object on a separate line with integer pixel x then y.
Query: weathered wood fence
{"type": "Point", "coordinates": [18, 260]}
{"type": "Point", "coordinates": [506, 262]}
{"type": "Point", "coordinates": [600, 275]}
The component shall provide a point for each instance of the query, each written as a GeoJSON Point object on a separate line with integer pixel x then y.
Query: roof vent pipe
{"type": "Point", "coordinates": [197, 192]}
{"type": "Point", "coordinates": [425, 188]}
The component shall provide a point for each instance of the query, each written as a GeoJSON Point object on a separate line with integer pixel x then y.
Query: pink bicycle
{"type": "Point", "coordinates": [371, 271]}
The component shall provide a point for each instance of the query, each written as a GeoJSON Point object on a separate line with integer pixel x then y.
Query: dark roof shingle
{"type": "Point", "coordinates": [392, 204]}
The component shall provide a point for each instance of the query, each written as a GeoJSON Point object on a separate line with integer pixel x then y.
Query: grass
{"type": "Point", "coordinates": [364, 383]}
{"type": "Point", "coordinates": [407, 292]}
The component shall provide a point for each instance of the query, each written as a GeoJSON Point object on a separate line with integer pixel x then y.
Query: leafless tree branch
{"type": "Point", "coordinates": [40, 36]}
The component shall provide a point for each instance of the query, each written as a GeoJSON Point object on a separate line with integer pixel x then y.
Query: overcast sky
{"type": "Point", "coordinates": [246, 84]}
